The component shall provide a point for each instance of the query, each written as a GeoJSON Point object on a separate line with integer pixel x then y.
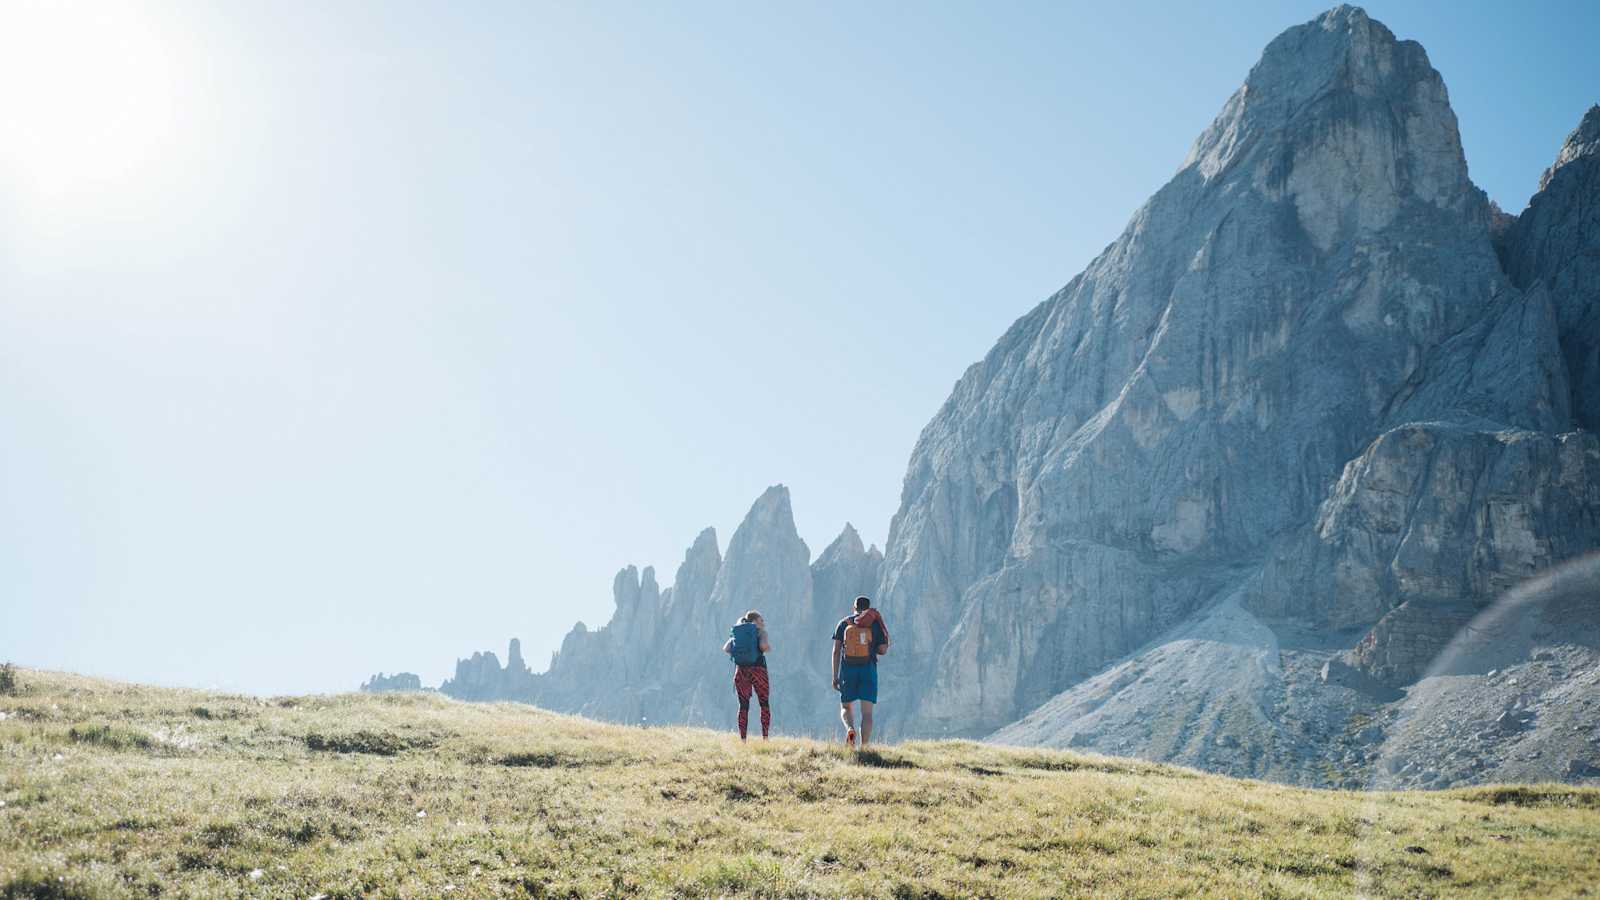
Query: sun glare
{"type": "Point", "coordinates": [88, 95]}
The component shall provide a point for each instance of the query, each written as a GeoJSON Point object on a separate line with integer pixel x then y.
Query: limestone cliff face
{"type": "Point", "coordinates": [1554, 247]}
{"type": "Point", "coordinates": [1318, 271]}
{"type": "Point", "coordinates": [1430, 524]}
{"type": "Point", "coordinates": [1455, 386]}
{"type": "Point", "coordinates": [1436, 520]}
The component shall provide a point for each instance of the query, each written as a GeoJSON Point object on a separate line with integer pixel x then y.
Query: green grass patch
{"type": "Point", "coordinates": [111, 737]}
{"type": "Point", "coordinates": [743, 876]}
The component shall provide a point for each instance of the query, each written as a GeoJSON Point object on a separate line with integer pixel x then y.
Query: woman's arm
{"type": "Point", "coordinates": [761, 642]}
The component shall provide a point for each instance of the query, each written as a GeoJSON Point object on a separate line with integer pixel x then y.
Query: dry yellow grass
{"type": "Point", "coordinates": [121, 790]}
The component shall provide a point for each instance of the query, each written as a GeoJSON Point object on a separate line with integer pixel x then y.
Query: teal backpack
{"type": "Point", "coordinates": [746, 643]}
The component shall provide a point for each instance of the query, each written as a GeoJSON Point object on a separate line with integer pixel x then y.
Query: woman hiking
{"type": "Point", "coordinates": [747, 646]}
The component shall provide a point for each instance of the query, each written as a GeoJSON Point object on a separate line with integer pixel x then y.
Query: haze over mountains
{"type": "Point", "coordinates": [1239, 495]}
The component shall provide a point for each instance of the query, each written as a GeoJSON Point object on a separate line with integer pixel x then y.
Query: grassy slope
{"type": "Point", "coordinates": [163, 792]}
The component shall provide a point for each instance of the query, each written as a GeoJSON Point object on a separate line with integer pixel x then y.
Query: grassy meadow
{"type": "Point", "coordinates": [118, 790]}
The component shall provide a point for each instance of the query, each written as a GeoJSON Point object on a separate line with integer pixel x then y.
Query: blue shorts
{"type": "Point", "coordinates": [858, 683]}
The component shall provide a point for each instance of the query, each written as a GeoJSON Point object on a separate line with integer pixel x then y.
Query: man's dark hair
{"type": "Point", "coordinates": [863, 604]}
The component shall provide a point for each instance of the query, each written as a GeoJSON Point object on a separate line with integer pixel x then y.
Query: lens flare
{"type": "Point", "coordinates": [1534, 612]}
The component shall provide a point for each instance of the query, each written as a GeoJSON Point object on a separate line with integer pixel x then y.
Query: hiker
{"type": "Point", "coordinates": [747, 646]}
{"type": "Point", "coordinates": [858, 641]}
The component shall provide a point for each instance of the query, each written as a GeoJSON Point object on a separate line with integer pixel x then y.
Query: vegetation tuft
{"type": "Point", "coordinates": [1534, 795]}
{"type": "Point", "coordinates": [536, 760]}
{"type": "Point", "coordinates": [38, 886]}
{"type": "Point", "coordinates": [111, 737]}
{"type": "Point", "coordinates": [8, 680]}
{"type": "Point", "coordinates": [378, 743]}
{"type": "Point", "coordinates": [111, 790]}
{"type": "Point", "coordinates": [218, 712]}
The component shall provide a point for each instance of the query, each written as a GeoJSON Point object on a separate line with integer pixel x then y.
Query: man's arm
{"type": "Point", "coordinates": [835, 668]}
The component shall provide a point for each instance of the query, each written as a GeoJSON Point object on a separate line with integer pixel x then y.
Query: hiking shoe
{"type": "Point", "coordinates": [850, 739]}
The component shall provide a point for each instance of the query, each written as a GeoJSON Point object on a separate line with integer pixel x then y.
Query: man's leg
{"type": "Point", "coordinates": [741, 686]}
{"type": "Point", "coordinates": [866, 722]}
{"type": "Point", "coordinates": [758, 676]}
{"type": "Point", "coordinates": [847, 715]}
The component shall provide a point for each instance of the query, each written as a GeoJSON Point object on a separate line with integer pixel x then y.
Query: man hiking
{"type": "Point", "coordinates": [858, 641]}
{"type": "Point", "coordinates": [747, 646]}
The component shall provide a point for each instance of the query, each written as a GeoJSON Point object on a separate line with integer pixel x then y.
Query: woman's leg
{"type": "Point", "coordinates": [758, 676]}
{"type": "Point", "coordinates": [741, 687]}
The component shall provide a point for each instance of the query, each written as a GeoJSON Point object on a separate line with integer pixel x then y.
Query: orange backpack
{"type": "Point", "coordinates": [858, 636]}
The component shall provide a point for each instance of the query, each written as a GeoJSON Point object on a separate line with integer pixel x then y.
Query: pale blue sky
{"type": "Point", "coordinates": [346, 337]}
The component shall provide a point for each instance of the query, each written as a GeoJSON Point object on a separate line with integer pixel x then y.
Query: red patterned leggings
{"type": "Point", "coordinates": [746, 678]}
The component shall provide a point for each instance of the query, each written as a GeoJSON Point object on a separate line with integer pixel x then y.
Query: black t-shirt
{"type": "Point", "coordinates": [880, 636]}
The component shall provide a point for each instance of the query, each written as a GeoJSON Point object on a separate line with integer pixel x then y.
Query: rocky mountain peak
{"type": "Point", "coordinates": [846, 546]}
{"type": "Point", "coordinates": [705, 547]}
{"type": "Point", "coordinates": [766, 557]}
{"type": "Point", "coordinates": [696, 575]}
{"type": "Point", "coordinates": [481, 677]}
{"type": "Point", "coordinates": [771, 511]}
{"type": "Point", "coordinates": [1344, 119]}
{"type": "Point", "coordinates": [1341, 49]}
{"type": "Point", "coordinates": [399, 681]}
{"type": "Point", "coordinates": [1583, 141]}
{"type": "Point", "coordinates": [625, 588]}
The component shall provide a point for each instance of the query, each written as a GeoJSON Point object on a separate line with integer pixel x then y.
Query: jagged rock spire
{"type": "Point", "coordinates": [1583, 141]}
